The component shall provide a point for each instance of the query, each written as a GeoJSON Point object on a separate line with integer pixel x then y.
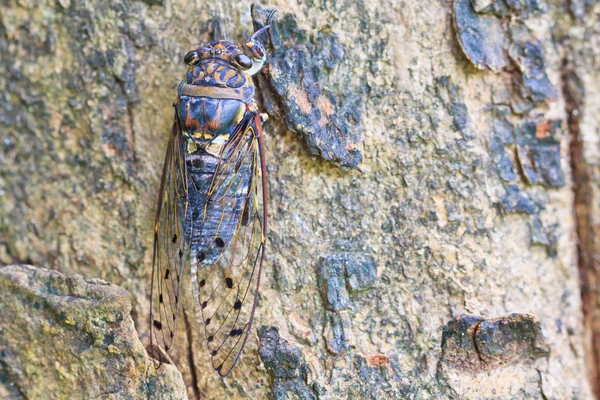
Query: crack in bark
{"type": "Point", "coordinates": [5, 371]}
{"type": "Point", "coordinates": [519, 167]}
{"type": "Point", "coordinates": [131, 135]}
{"type": "Point", "coordinates": [126, 81]}
{"type": "Point", "coordinates": [573, 94]}
{"type": "Point", "coordinates": [13, 258]}
{"type": "Point", "coordinates": [130, 129]}
{"type": "Point", "coordinates": [190, 355]}
{"type": "Point", "coordinates": [541, 385]}
{"type": "Point", "coordinates": [472, 332]}
{"type": "Point", "coordinates": [476, 329]}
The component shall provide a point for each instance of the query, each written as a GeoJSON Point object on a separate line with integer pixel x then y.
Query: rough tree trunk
{"type": "Point", "coordinates": [434, 174]}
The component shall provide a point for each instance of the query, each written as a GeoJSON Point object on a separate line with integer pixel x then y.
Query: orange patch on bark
{"type": "Point", "coordinates": [543, 130]}
{"type": "Point", "coordinates": [379, 360]}
{"type": "Point", "coordinates": [326, 108]}
{"type": "Point", "coordinates": [301, 98]}
{"type": "Point", "coordinates": [322, 103]}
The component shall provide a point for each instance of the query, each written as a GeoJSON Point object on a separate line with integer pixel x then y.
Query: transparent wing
{"type": "Point", "coordinates": [226, 291]}
{"type": "Point", "coordinates": [171, 249]}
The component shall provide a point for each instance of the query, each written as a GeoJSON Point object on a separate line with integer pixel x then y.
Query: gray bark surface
{"type": "Point", "coordinates": [73, 337]}
{"type": "Point", "coordinates": [434, 172]}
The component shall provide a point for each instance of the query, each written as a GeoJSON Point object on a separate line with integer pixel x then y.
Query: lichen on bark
{"type": "Point", "coordinates": [68, 337]}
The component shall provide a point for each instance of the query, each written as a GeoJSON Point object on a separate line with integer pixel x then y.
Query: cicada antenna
{"type": "Point", "coordinates": [264, 28]}
{"type": "Point", "coordinates": [258, 32]}
{"type": "Point", "coordinates": [270, 17]}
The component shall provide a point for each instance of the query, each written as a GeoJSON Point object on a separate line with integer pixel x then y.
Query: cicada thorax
{"type": "Point", "coordinates": [211, 107]}
{"type": "Point", "coordinates": [208, 123]}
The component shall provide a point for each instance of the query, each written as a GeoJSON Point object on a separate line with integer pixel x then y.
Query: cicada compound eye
{"type": "Point", "coordinates": [258, 50]}
{"type": "Point", "coordinates": [191, 57]}
{"type": "Point", "coordinates": [243, 61]}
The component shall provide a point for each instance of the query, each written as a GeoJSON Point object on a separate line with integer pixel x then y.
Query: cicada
{"type": "Point", "coordinates": [211, 218]}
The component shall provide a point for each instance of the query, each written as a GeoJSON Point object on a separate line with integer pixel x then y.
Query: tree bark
{"type": "Point", "coordinates": [434, 173]}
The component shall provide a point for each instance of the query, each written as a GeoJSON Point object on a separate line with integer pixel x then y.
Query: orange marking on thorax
{"type": "Point", "coordinates": [203, 126]}
{"type": "Point", "coordinates": [215, 122]}
{"type": "Point", "coordinates": [188, 117]}
{"type": "Point", "coordinates": [191, 123]}
{"type": "Point", "coordinates": [228, 75]}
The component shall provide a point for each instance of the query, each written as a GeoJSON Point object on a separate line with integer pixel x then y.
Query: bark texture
{"type": "Point", "coordinates": [434, 174]}
{"type": "Point", "coordinates": [70, 337]}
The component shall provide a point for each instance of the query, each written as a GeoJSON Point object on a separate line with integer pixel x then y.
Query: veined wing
{"type": "Point", "coordinates": [171, 247]}
{"type": "Point", "coordinates": [226, 291]}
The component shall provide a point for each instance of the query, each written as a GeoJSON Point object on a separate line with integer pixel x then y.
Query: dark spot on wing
{"type": "Point", "coordinates": [229, 282]}
{"type": "Point", "coordinates": [219, 242]}
{"type": "Point", "coordinates": [160, 298]}
{"type": "Point", "coordinates": [236, 332]}
{"type": "Point", "coordinates": [202, 283]}
{"type": "Point", "coordinates": [180, 253]}
{"type": "Point", "coordinates": [166, 348]}
{"type": "Point", "coordinates": [174, 238]}
{"type": "Point", "coordinates": [214, 353]}
{"type": "Point", "coordinates": [207, 321]}
{"type": "Point", "coordinates": [157, 324]}
{"type": "Point", "coordinates": [201, 256]}
{"type": "Point", "coordinates": [203, 305]}
{"type": "Point", "coordinates": [210, 338]}
{"type": "Point", "coordinates": [167, 273]}
{"type": "Point", "coordinates": [237, 305]}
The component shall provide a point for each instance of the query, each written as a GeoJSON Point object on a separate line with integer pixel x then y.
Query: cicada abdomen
{"type": "Point", "coordinates": [212, 212]}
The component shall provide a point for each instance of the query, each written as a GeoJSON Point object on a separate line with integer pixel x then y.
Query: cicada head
{"type": "Point", "coordinates": [228, 52]}
{"type": "Point", "coordinates": [219, 50]}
